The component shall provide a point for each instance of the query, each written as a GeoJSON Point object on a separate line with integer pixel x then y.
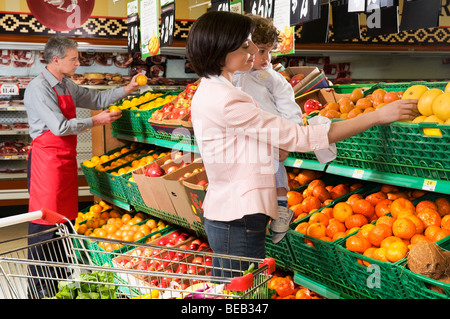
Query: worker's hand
{"type": "Point", "coordinates": [132, 86]}
{"type": "Point", "coordinates": [105, 117]}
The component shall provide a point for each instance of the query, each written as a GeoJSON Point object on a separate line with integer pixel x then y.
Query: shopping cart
{"type": "Point", "coordinates": [67, 267]}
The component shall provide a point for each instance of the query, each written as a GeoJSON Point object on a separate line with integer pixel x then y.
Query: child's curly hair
{"type": "Point", "coordinates": [265, 32]}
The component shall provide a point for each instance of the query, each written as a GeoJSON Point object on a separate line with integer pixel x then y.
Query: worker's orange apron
{"type": "Point", "coordinates": [54, 173]}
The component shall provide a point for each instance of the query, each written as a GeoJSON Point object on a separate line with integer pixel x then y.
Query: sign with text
{"type": "Point", "coordinates": [317, 31]}
{"type": "Point", "coordinates": [281, 20]}
{"type": "Point", "coordinates": [220, 5]}
{"type": "Point", "coordinates": [149, 14]}
{"type": "Point", "coordinates": [133, 26]}
{"type": "Point", "coordinates": [263, 8]}
{"type": "Point", "coordinates": [167, 23]}
{"type": "Point", "coordinates": [309, 10]}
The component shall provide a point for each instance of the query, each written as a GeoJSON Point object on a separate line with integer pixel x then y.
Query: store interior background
{"type": "Point", "coordinates": [366, 66]}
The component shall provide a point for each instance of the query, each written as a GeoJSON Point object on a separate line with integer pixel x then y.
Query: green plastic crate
{"type": "Point", "coordinates": [402, 86]}
{"type": "Point", "coordinates": [418, 286]}
{"type": "Point", "coordinates": [348, 88]}
{"type": "Point", "coordinates": [170, 218]}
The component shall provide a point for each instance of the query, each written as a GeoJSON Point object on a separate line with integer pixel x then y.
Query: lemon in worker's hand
{"type": "Point", "coordinates": [141, 80]}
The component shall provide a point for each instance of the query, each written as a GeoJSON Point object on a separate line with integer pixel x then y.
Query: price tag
{"type": "Point", "coordinates": [358, 173]}
{"type": "Point", "coordinates": [263, 8]}
{"type": "Point", "coordinates": [9, 89]}
{"type": "Point", "coordinates": [167, 24]}
{"type": "Point", "coordinates": [297, 163]}
{"type": "Point", "coordinates": [429, 185]}
{"type": "Point", "coordinates": [220, 5]}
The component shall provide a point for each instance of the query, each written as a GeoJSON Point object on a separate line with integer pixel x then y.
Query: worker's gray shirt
{"type": "Point", "coordinates": [42, 108]}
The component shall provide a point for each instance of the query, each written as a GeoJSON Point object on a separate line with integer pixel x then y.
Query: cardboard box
{"type": "Point", "coordinates": [314, 79]}
{"type": "Point", "coordinates": [196, 194]}
{"type": "Point", "coordinates": [177, 192]}
{"type": "Point", "coordinates": [324, 96]}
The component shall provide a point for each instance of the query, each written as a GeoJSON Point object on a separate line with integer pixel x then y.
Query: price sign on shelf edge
{"type": "Point", "coordinates": [9, 89]}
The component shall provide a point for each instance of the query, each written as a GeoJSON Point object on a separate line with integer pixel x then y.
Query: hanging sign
{"type": "Point", "coordinates": [372, 5]}
{"type": "Point", "coordinates": [388, 3]}
{"type": "Point", "coordinates": [295, 12]}
{"type": "Point", "coordinates": [345, 24]}
{"type": "Point", "coordinates": [420, 14]}
{"type": "Point", "coordinates": [263, 8]}
{"type": "Point", "coordinates": [317, 31]}
{"type": "Point", "coordinates": [281, 20]}
{"type": "Point", "coordinates": [236, 6]}
{"type": "Point", "coordinates": [133, 26]}
{"type": "Point", "coordinates": [382, 21]}
{"type": "Point", "coordinates": [149, 14]}
{"type": "Point", "coordinates": [309, 10]}
{"type": "Point", "coordinates": [61, 15]}
{"type": "Point", "coordinates": [167, 22]}
{"type": "Point", "coordinates": [356, 6]}
{"type": "Point", "coordinates": [220, 5]}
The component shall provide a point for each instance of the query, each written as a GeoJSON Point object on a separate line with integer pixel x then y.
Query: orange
{"type": "Point", "coordinates": [369, 253]}
{"type": "Point", "coordinates": [332, 114]}
{"type": "Point", "coordinates": [319, 218]}
{"type": "Point", "coordinates": [353, 198]}
{"type": "Point", "coordinates": [378, 233]}
{"type": "Point", "coordinates": [338, 235]}
{"type": "Point", "coordinates": [445, 222]}
{"type": "Point", "coordinates": [389, 240]}
{"type": "Point", "coordinates": [356, 220]}
{"type": "Point", "coordinates": [396, 195]}
{"type": "Point", "coordinates": [310, 203]}
{"type": "Point", "coordinates": [339, 191]}
{"type": "Point", "coordinates": [356, 95]}
{"type": "Point", "coordinates": [401, 204]}
{"type": "Point", "coordinates": [431, 231]}
{"type": "Point", "coordinates": [418, 238]}
{"type": "Point", "coordinates": [314, 183]}
{"type": "Point", "coordinates": [332, 106]}
{"type": "Point", "coordinates": [341, 211]}
{"type": "Point", "coordinates": [302, 227]}
{"type": "Point", "coordinates": [363, 103]}
{"type": "Point", "coordinates": [365, 230]}
{"type": "Point", "coordinates": [420, 227]}
{"type": "Point", "coordinates": [425, 204]}
{"type": "Point", "coordinates": [379, 254]}
{"type": "Point", "coordinates": [316, 230]}
{"type": "Point", "coordinates": [111, 228]}
{"type": "Point", "coordinates": [443, 206]}
{"type": "Point", "coordinates": [396, 251]}
{"type": "Point", "coordinates": [321, 193]}
{"type": "Point", "coordinates": [357, 244]}
{"type": "Point", "coordinates": [345, 105]}
{"type": "Point", "coordinates": [375, 198]}
{"type": "Point", "coordinates": [379, 94]}
{"type": "Point", "coordinates": [404, 228]}
{"type": "Point", "coordinates": [327, 211]}
{"type": "Point", "coordinates": [297, 209]}
{"type": "Point", "coordinates": [141, 80]}
{"type": "Point", "coordinates": [441, 234]}
{"type": "Point", "coordinates": [151, 223]}
{"type": "Point", "coordinates": [334, 227]}
{"type": "Point", "coordinates": [97, 208]}
{"type": "Point", "coordinates": [363, 207]}
{"type": "Point", "coordinates": [391, 97]}
{"type": "Point", "coordinates": [354, 113]}
{"type": "Point", "coordinates": [294, 198]}
{"type": "Point", "coordinates": [387, 220]}
{"type": "Point", "coordinates": [386, 188]}
{"type": "Point", "coordinates": [383, 207]}
{"type": "Point", "coordinates": [430, 217]}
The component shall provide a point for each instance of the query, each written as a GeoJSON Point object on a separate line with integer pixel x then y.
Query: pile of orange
{"type": "Point", "coordinates": [285, 288]}
{"type": "Point", "coordinates": [391, 236]}
{"type": "Point", "coordinates": [356, 103]}
{"type": "Point", "coordinates": [315, 196]}
{"type": "Point", "coordinates": [298, 177]}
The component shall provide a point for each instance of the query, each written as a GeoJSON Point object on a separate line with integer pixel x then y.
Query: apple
{"type": "Point", "coordinates": [312, 105]}
{"type": "Point", "coordinates": [296, 79]}
{"type": "Point", "coordinates": [198, 260]}
{"type": "Point", "coordinates": [175, 234]}
{"type": "Point", "coordinates": [172, 169]}
{"type": "Point", "coordinates": [208, 261]}
{"type": "Point", "coordinates": [197, 241]}
{"type": "Point", "coordinates": [142, 266]}
{"type": "Point", "coordinates": [286, 75]}
{"type": "Point", "coordinates": [154, 170]}
{"type": "Point", "coordinates": [202, 183]}
{"type": "Point", "coordinates": [191, 269]}
{"type": "Point", "coordinates": [184, 164]}
{"type": "Point", "coordinates": [181, 269]}
{"type": "Point", "coordinates": [187, 175]}
{"type": "Point", "coordinates": [202, 246]}
{"type": "Point", "coordinates": [163, 241]}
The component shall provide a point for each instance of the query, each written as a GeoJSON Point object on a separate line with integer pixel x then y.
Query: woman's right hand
{"type": "Point", "coordinates": [398, 110]}
{"type": "Point", "coordinates": [105, 117]}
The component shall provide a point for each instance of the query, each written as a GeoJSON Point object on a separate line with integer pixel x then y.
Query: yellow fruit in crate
{"type": "Point", "coordinates": [419, 119]}
{"type": "Point", "coordinates": [414, 92]}
{"type": "Point", "coordinates": [447, 88]}
{"type": "Point", "coordinates": [441, 106]}
{"type": "Point", "coordinates": [447, 122]}
{"type": "Point", "coordinates": [433, 119]}
{"type": "Point", "coordinates": [425, 103]}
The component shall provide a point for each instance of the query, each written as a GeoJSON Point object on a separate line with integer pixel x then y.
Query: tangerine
{"type": "Point", "coordinates": [396, 251]}
{"type": "Point", "coordinates": [445, 222]}
{"type": "Point", "coordinates": [401, 204]}
{"type": "Point", "coordinates": [404, 228]}
{"type": "Point", "coordinates": [425, 204]}
{"type": "Point", "coordinates": [443, 206]}
{"type": "Point", "coordinates": [383, 207]}
{"type": "Point", "coordinates": [363, 207]}
{"type": "Point", "coordinates": [378, 233]}
{"type": "Point", "coordinates": [335, 227]}
{"type": "Point", "coordinates": [341, 211]}
{"type": "Point", "coordinates": [387, 220]}
{"type": "Point", "coordinates": [418, 238]}
{"type": "Point", "coordinates": [357, 244]}
{"type": "Point", "coordinates": [389, 240]}
{"type": "Point", "coordinates": [380, 254]}
{"type": "Point", "coordinates": [431, 231]}
{"type": "Point", "coordinates": [375, 198]}
{"type": "Point", "coordinates": [353, 198]}
{"type": "Point", "coordinates": [319, 218]}
{"type": "Point", "coordinates": [297, 209]}
{"type": "Point", "coordinates": [379, 94]}
{"type": "Point", "coordinates": [294, 198]}
{"type": "Point", "coordinates": [345, 105]}
{"type": "Point", "coordinates": [321, 193]}
{"type": "Point", "coordinates": [356, 220]}
{"type": "Point", "coordinates": [420, 227]}
{"type": "Point", "coordinates": [356, 95]}
{"type": "Point", "coordinates": [310, 203]}
{"type": "Point", "coordinates": [391, 97]}
{"type": "Point", "coordinates": [430, 217]}
{"type": "Point", "coordinates": [365, 230]}
{"type": "Point", "coordinates": [302, 227]}
{"type": "Point", "coordinates": [441, 234]}
{"type": "Point", "coordinates": [316, 230]}
{"type": "Point", "coordinates": [368, 253]}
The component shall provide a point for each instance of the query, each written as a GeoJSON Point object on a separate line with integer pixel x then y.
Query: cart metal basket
{"type": "Point", "coordinates": [62, 268]}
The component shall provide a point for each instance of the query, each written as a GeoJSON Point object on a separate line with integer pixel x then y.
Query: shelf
{"type": "Point", "coordinates": [390, 178]}
{"type": "Point", "coordinates": [12, 157]}
{"type": "Point", "coordinates": [317, 288]}
{"type": "Point", "coordinates": [304, 163]}
{"type": "Point", "coordinates": [15, 132]}
{"type": "Point", "coordinates": [163, 143]}
{"type": "Point", "coordinates": [111, 200]}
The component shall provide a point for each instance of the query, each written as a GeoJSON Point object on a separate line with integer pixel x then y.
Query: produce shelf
{"type": "Point", "coordinates": [304, 163]}
{"type": "Point", "coordinates": [111, 200]}
{"type": "Point", "coordinates": [438, 186]}
{"type": "Point", "coordinates": [159, 142]}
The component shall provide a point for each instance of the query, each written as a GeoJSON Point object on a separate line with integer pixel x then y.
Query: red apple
{"type": "Point", "coordinates": [296, 79]}
{"type": "Point", "coordinates": [172, 169]}
{"type": "Point", "coordinates": [208, 261]}
{"type": "Point", "coordinates": [198, 260]}
{"type": "Point", "coordinates": [181, 269]}
{"type": "Point", "coordinates": [202, 183]}
{"type": "Point", "coordinates": [154, 170]}
{"type": "Point", "coordinates": [163, 241]}
{"type": "Point", "coordinates": [184, 164]}
{"type": "Point", "coordinates": [312, 105]}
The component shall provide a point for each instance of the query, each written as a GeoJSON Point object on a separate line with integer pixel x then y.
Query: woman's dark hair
{"type": "Point", "coordinates": [212, 37]}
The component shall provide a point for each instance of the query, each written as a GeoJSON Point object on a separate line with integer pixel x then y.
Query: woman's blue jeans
{"type": "Point", "coordinates": [243, 237]}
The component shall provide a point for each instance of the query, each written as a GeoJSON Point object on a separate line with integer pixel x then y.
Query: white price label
{"type": "Point", "coordinates": [358, 173]}
{"type": "Point", "coordinates": [429, 185]}
{"type": "Point", "coordinates": [297, 163]}
{"type": "Point", "coordinates": [9, 89]}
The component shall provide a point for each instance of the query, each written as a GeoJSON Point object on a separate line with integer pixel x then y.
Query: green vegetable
{"type": "Point", "coordinates": [83, 289]}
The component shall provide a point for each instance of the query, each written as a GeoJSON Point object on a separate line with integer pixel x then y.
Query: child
{"type": "Point", "coordinates": [273, 94]}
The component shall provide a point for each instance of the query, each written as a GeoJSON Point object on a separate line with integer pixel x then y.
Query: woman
{"type": "Point", "coordinates": [236, 139]}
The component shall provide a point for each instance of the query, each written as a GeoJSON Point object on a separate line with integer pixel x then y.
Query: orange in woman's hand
{"type": "Point", "coordinates": [141, 80]}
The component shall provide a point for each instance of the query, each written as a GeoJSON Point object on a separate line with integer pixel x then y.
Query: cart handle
{"type": "Point", "coordinates": [45, 214]}
{"type": "Point", "coordinates": [271, 265]}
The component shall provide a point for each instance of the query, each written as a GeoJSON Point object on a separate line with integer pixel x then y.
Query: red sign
{"type": "Point", "coordinates": [61, 15]}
